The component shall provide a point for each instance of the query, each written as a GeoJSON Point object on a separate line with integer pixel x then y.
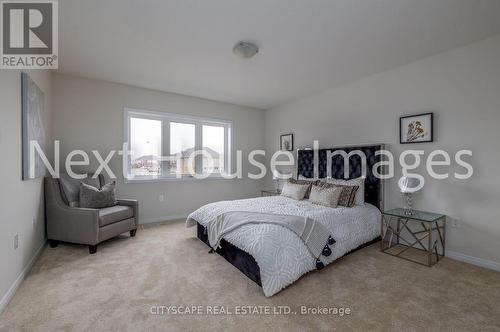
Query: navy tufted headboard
{"type": "Point", "coordinates": [374, 187]}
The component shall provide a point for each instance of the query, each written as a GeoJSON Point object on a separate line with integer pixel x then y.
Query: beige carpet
{"type": "Point", "coordinates": [113, 290]}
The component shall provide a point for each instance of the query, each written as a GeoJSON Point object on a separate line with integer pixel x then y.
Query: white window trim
{"type": "Point", "coordinates": [129, 112]}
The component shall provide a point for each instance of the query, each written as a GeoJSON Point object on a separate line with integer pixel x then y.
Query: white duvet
{"type": "Point", "coordinates": [281, 255]}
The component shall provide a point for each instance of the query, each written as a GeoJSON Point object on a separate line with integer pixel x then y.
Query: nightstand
{"type": "Point", "coordinates": [274, 192]}
{"type": "Point", "coordinates": [419, 237]}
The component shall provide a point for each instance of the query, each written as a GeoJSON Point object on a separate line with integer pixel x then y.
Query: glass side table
{"type": "Point", "coordinates": [274, 192]}
{"type": "Point", "coordinates": [419, 237]}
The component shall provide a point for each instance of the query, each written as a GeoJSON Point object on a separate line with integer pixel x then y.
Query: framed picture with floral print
{"type": "Point", "coordinates": [416, 128]}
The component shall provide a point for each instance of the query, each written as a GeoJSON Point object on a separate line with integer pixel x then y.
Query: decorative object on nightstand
{"type": "Point", "coordinates": [276, 179]}
{"type": "Point", "coordinates": [408, 186]}
{"type": "Point", "coordinates": [274, 192]}
{"type": "Point", "coordinates": [426, 230]}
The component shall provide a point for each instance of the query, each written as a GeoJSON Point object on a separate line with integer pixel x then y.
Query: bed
{"type": "Point", "coordinates": [274, 257]}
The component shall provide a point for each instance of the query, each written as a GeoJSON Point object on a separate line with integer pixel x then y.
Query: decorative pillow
{"type": "Point", "coordinates": [359, 182]}
{"type": "Point", "coordinates": [347, 196]}
{"type": "Point", "coordinates": [310, 182]}
{"type": "Point", "coordinates": [91, 197]}
{"type": "Point", "coordinates": [295, 191]}
{"type": "Point", "coordinates": [70, 188]}
{"type": "Point", "coordinates": [326, 196]}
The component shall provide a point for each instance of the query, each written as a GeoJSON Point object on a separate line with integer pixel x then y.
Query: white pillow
{"type": "Point", "coordinates": [294, 190]}
{"type": "Point", "coordinates": [360, 182]}
{"type": "Point", "coordinates": [326, 196]}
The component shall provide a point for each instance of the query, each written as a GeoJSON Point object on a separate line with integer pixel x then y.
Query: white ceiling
{"type": "Point", "coordinates": [185, 46]}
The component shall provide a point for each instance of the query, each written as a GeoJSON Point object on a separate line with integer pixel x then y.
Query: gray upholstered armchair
{"type": "Point", "coordinates": [81, 225]}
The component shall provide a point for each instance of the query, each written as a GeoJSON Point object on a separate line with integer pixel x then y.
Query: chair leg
{"type": "Point", "coordinates": [53, 243]}
{"type": "Point", "coordinates": [92, 249]}
{"type": "Point", "coordinates": [132, 232]}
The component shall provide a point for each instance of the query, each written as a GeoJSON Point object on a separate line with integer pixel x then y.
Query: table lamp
{"type": "Point", "coordinates": [409, 186]}
{"type": "Point", "coordinates": [276, 179]}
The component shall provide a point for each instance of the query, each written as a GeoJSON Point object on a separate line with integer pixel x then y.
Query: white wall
{"type": "Point", "coordinates": [21, 202]}
{"type": "Point", "coordinates": [88, 115]}
{"type": "Point", "coordinates": [462, 87]}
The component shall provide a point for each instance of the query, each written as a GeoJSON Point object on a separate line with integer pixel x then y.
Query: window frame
{"type": "Point", "coordinates": [166, 119]}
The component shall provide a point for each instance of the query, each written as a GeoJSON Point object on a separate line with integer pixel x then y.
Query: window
{"type": "Point", "coordinates": [213, 145]}
{"type": "Point", "coordinates": [182, 141]}
{"type": "Point", "coordinates": [145, 144]}
{"type": "Point", "coordinates": [166, 146]}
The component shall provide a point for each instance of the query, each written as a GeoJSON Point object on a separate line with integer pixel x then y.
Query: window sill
{"type": "Point", "coordinates": [172, 179]}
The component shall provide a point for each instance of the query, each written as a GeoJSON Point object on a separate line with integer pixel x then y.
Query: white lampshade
{"type": "Point", "coordinates": [409, 185]}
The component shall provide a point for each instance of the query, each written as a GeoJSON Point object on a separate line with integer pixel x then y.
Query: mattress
{"type": "Point", "coordinates": [280, 254]}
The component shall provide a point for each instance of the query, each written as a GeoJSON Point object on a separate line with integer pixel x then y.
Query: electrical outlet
{"type": "Point", "coordinates": [16, 241]}
{"type": "Point", "coordinates": [455, 222]}
{"type": "Point", "coordinates": [161, 198]}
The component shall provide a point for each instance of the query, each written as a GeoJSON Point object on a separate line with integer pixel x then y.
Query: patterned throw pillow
{"type": "Point", "coordinates": [91, 197]}
{"type": "Point", "coordinates": [308, 182]}
{"type": "Point", "coordinates": [348, 195]}
{"type": "Point", "coordinates": [326, 196]}
{"type": "Point", "coordinates": [295, 191]}
{"type": "Point", "coordinates": [360, 182]}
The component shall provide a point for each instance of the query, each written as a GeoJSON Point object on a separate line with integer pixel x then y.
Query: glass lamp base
{"type": "Point", "coordinates": [409, 212]}
{"type": "Point", "coordinates": [408, 207]}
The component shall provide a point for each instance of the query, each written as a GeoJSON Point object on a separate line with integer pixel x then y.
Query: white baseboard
{"type": "Point", "coordinates": [12, 290]}
{"type": "Point", "coordinates": [486, 263]}
{"type": "Point", "coordinates": [161, 219]}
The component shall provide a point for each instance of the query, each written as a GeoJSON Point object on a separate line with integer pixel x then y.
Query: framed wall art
{"type": "Point", "coordinates": [416, 128]}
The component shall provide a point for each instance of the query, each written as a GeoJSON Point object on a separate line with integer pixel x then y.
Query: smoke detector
{"type": "Point", "coordinates": [245, 49]}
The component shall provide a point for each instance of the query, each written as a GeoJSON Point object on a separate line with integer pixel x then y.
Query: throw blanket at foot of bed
{"type": "Point", "coordinates": [313, 234]}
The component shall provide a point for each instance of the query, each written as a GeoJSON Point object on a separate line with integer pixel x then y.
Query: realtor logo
{"type": "Point", "coordinates": [29, 35]}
